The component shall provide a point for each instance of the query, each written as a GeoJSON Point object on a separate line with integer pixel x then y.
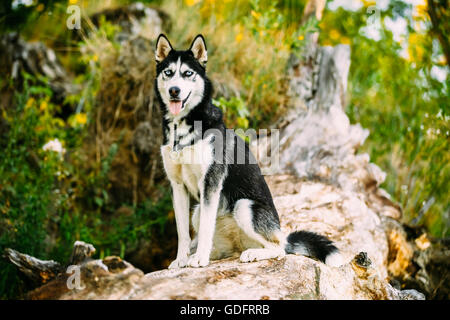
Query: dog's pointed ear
{"type": "Point", "coordinates": [198, 48]}
{"type": "Point", "coordinates": [163, 47]}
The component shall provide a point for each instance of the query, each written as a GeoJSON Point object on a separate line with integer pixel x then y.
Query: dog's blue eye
{"type": "Point", "coordinates": [188, 73]}
{"type": "Point", "coordinates": [168, 73]}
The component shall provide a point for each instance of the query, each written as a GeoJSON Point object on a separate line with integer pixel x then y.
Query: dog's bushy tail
{"type": "Point", "coordinates": [313, 245]}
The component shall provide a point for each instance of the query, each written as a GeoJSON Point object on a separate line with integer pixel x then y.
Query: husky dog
{"type": "Point", "coordinates": [235, 211]}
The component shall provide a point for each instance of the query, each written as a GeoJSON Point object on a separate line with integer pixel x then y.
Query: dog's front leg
{"type": "Point", "coordinates": [209, 204]}
{"type": "Point", "coordinates": [181, 208]}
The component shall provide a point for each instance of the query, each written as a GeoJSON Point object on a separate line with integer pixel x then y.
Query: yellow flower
{"type": "Point", "coordinates": [255, 14]}
{"type": "Point", "coordinates": [239, 37]}
{"type": "Point", "coordinates": [40, 7]}
{"type": "Point", "coordinates": [29, 103]}
{"type": "Point", "coordinates": [421, 11]}
{"type": "Point", "coordinates": [345, 40]}
{"type": "Point", "coordinates": [43, 105]}
{"type": "Point", "coordinates": [334, 34]}
{"type": "Point", "coordinates": [81, 118]}
{"type": "Point", "coordinates": [301, 37]}
{"type": "Point", "coordinates": [73, 1]}
{"type": "Point", "coordinates": [416, 48]}
{"type": "Point", "coordinates": [95, 58]}
{"type": "Point", "coordinates": [190, 3]}
{"type": "Point", "coordinates": [414, 39]}
{"type": "Point", "coordinates": [368, 3]}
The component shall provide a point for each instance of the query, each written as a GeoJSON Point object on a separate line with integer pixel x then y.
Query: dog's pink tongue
{"type": "Point", "coordinates": [175, 107]}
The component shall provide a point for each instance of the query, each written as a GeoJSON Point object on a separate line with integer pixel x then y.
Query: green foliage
{"type": "Point", "coordinates": [49, 200]}
{"type": "Point", "coordinates": [296, 41]}
{"type": "Point", "coordinates": [113, 234]}
{"type": "Point", "coordinates": [29, 176]}
{"type": "Point", "coordinates": [14, 17]}
{"type": "Point", "coordinates": [291, 10]}
{"type": "Point", "coordinates": [235, 111]}
{"type": "Point", "coordinates": [406, 111]}
{"type": "Point", "coordinates": [263, 18]}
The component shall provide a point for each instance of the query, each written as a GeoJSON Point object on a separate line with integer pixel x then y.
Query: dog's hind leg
{"type": "Point", "coordinates": [262, 227]}
{"type": "Point", "coordinates": [226, 235]}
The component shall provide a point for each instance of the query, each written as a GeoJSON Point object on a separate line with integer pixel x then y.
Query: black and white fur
{"type": "Point", "coordinates": [235, 210]}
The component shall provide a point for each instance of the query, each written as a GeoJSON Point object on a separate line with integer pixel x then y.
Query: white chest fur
{"type": "Point", "coordinates": [189, 165]}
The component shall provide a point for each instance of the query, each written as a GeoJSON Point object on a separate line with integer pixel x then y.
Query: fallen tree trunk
{"type": "Point", "coordinates": [343, 216]}
{"type": "Point", "coordinates": [293, 277]}
{"type": "Point", "coordinates": [313, 205]}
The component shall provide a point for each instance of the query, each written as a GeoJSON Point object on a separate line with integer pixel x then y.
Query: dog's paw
{"type": "Point", "coordinates": [250, 255]}
{"type": "Point", "coordinates": [179, 263]}
{"type": "Point", "coordinates": [197, 260]}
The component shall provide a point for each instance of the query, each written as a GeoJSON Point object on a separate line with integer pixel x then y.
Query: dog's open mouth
{"type": "Point", "coordinates": [175, 106]}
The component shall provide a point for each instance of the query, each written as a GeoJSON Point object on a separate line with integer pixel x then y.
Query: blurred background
{"type": "Point", "coordinates": [80, 131]}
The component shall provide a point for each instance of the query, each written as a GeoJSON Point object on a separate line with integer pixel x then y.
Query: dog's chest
{"type": "Point", "coordinates": [191, 175]}
{"type": "Point", "coordinates": [179, 134]}
{"type": "Point", "coordinates": [187, 164]}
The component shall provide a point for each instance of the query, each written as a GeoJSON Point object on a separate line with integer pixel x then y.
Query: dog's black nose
{"type": "Point", "coordinates": [174, 92]}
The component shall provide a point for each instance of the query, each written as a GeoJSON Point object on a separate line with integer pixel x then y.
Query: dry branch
{"type": "Point", "coordinates": [36, 270]}
{"type": "Point", "coordinates": [42, 271]}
